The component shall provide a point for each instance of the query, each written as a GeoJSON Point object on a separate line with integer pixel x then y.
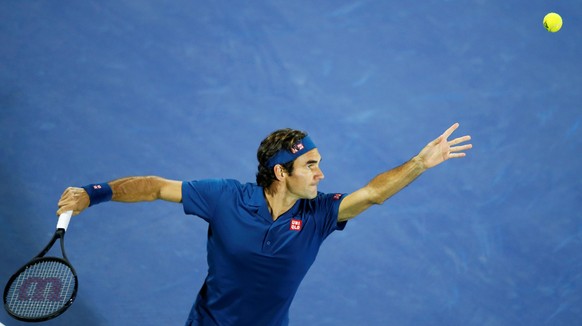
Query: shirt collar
{"type": "Point", "coordinates": [257, 199]}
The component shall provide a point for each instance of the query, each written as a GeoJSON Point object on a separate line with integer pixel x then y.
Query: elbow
{"type": "Point", "coordinates": [377, 202]}
{"type": "Point", "coordinates": [375, 198]}
{"type": "Point", "coordinates": [154, 184]}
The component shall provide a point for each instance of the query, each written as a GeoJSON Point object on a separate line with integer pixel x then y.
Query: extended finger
{"type": "Point", "coordinates": [456, 155]}
{"type": "Point", "coordinates": [459, 140]}
{"type": "Point", "coordinates": [461, 148]}
{"type": "Point", "coordinates": [451, 129]}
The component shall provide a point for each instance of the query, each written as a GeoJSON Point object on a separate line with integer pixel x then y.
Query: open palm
{"type": "Point", "coordinates": [442, 149]}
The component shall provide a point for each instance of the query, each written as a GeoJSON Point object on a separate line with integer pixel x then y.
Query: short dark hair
{"type": "Point", "coordinates": [276, 141]}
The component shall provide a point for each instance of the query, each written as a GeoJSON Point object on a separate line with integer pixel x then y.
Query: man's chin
{"type": "Point", "coordinates": [312, 195]}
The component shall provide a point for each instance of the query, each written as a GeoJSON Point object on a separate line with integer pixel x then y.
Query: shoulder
{"type": "Point", "coordinates": [213, 183]}
{"type": "Point", "coordinates": [329, 197]}
{"type": "Point", "coordinates": [325, 210]}
{"type": "Point", "coordinates": [215, 186]}
{"type": "Point", "coordinates": [324, 201]}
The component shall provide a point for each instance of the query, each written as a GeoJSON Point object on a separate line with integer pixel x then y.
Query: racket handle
{"type": "Point", "coordinates": [64, 220]}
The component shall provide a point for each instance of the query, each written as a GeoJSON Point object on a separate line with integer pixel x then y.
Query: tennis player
{"type": "Point", "coordinates": [264, 236]}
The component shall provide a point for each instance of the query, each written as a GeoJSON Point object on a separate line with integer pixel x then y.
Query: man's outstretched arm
{"type": "Point", "coordinates": [386, 184]}
{"type": "Point", "coordinates": [128, 190]}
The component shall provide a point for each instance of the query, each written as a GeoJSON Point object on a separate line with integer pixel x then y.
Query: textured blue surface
{"type": "Point", "coordinates": [95, 90]}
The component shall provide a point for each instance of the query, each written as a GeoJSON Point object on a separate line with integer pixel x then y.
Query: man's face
{"type": "Point", "coordinates": [306, 175]}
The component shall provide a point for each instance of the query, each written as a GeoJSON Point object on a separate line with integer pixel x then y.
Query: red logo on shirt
{"type": "Point", "coordinates": [337, 196]}
{"type": "Point", "coordinates": [295, 225]}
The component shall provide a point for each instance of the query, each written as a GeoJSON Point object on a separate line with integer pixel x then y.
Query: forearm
{"type": "Point", "coordinates": [127, 190]}
{"type": "Point", "coordinates": [386, 184]}
{"type": "Point", "coordinates": [136, 189]}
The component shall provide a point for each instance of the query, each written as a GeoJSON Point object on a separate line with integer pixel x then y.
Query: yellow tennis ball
{"type": "Point", "coordinates": [553, 22]}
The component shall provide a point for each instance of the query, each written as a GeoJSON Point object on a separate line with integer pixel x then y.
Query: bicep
{"type": "Point", "coordinates": [171, 190]}
{"type": "Point", "coordinates": [354, 204]}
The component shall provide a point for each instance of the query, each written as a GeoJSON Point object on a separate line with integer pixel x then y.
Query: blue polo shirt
{"type": "Point", "coordinates": [255, 264]}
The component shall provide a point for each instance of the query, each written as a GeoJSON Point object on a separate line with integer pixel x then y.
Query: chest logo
{"type": "Point", "coordinates": [295, 225]}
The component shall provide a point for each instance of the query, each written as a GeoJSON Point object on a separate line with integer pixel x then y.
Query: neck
{"type": "Point", "coordinates": [278, 201]}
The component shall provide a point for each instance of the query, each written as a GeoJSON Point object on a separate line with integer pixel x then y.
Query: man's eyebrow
{"type": "Point", "coordinates": [313, 161]}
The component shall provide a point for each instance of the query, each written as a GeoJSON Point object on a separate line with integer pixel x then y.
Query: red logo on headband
{"type": "Point", "coordinates": [297, 147]}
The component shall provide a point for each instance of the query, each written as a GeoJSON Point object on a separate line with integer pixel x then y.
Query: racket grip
{"type": "Point", "coordinates": [64, 220]}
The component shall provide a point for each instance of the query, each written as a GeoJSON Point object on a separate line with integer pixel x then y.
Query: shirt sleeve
{"type": "Point", "coordinates": [200, 197]}
{"type": "Point", "coordinates": [328, 204]}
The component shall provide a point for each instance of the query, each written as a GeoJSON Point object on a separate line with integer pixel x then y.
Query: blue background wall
{"type": "Point", "coordinates": [96, 90]}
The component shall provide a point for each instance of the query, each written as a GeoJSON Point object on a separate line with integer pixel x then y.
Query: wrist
{"type": "Point", "coordinates": [419, 164]}
{"type": "Point", "coordinates": [98, 193]}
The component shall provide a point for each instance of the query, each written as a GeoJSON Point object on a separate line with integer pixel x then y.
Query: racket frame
{"type": "Point", "coordinates": [59, 234]}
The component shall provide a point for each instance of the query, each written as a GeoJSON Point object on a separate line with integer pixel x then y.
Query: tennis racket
{"type": "Point", "coordinates": [46, 286]}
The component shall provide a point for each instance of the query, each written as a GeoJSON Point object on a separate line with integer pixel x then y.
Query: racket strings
{"type": "Point", "coordinates": [42, 289]}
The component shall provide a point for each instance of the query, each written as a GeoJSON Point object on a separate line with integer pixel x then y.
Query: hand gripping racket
{"type": "Point", "coordinates": [46, 286]}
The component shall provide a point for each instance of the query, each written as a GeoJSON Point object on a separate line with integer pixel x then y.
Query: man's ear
{"type": "Point", "coordinates": [279, 172]}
